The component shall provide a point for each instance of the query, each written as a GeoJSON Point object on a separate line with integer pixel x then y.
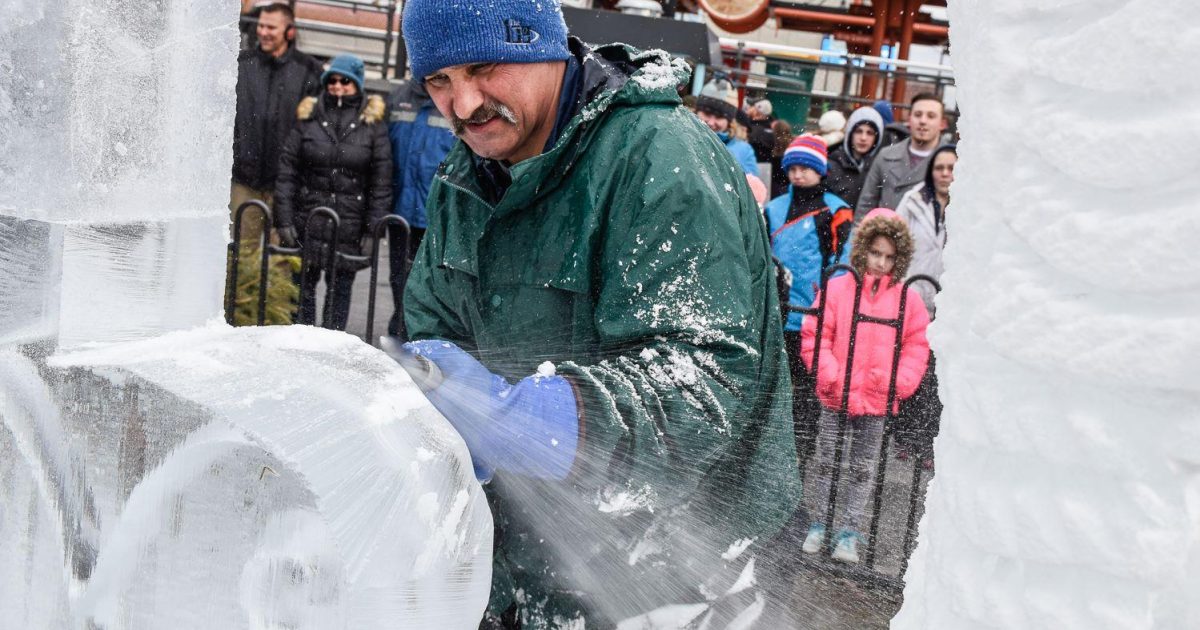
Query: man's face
{"type": "Point", "coordinates": [719, 124]}
{"type": "Point", "coordinates": [943, 171]}
{"type": "Point", "coordinates": [503, 111]}
{"type": "Point", "coordinates": [862, 139]}
{"type": "Point", "coordinates": [926, 122]}
{"type": "Point", "coordinates": [272, 32]}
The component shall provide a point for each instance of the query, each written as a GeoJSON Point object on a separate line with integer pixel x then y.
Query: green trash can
{"type": "Point", "coordinates": [787, 106]}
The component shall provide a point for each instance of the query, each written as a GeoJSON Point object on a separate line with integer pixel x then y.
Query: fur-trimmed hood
{"type": "Point", "coordinates": [883, 222]}
{"type": "Point", "coordinates": [371, 113]}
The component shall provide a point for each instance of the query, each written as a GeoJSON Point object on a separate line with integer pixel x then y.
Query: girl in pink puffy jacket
{"type": "Point", "coordinates": [881, 251]}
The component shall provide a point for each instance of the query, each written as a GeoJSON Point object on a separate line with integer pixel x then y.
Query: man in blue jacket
{"type": "Point", "coordinates": [421, 138]}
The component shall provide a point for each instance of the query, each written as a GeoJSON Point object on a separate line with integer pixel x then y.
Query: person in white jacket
{"type": "Point", "coordinates": [924, 209]}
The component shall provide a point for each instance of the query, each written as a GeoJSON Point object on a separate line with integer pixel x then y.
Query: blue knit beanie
{"type": "Point", "coordinates": [348, 66]}
{"type": "Point", "coordinates": [444, 33]}
{"type": "Point", "coordinates": [809, 151]}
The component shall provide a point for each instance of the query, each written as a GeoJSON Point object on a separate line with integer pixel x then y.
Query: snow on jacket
{"type": "Point", "coordinates": [632, 256]}
{"type": "Point", "coordinates": [268, 90]}
{"type": "Point", "coordinates": [339, 158]}
{"type": "Point", "coordinates": [874, 343]}
{"type": "Point", "coordinates": [847, 170]}
{"type": "Point", "coordinates": [798, 245]}
{"type": "Point", "coordinates": [891, 175]}
{"type": "Point", "coordinates": [929, 240]}
{"type": "Point", "coordinates": [421, 137]}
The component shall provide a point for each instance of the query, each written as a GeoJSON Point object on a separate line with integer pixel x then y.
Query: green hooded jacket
{"type": "Point", "coordinates": [632, 257]}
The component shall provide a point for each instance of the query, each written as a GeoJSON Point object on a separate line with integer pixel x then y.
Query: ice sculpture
{"type": "Point", "coordinates": [1068, 485]}
{"type": "Point", "coordinates": [159, 469]}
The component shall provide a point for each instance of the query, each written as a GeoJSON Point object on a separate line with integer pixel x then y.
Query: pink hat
{"type": "Point", "coordinates": [758, 188]}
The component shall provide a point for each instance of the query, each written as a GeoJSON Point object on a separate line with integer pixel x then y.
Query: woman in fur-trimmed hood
{"type": "Point", "coordinates": [338, 155]}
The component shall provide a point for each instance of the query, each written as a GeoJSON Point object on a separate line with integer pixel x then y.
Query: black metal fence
{"type": "Point", "coordinates": [395, 228]}
{"type": "Point", "coordinates": [868, 572]}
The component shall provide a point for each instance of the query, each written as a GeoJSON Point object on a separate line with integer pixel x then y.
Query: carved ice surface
{"type": "Point", "coordinates": [159, 469]}
{"type": "Point", "coordinates": [1067, 493]}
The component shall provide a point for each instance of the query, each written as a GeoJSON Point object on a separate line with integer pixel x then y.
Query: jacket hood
{"type": "Point", "coordinates": [883, 222]}
{"type": "Point", "coordinates": [371, 113]}
{"type": "Point", "coordinates": [862, 115]}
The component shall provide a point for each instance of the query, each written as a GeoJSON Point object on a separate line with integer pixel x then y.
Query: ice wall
{"type": "Point", "coordinates": [112, 110]}
{"type": "Point", "coordinates": [1068, 485]}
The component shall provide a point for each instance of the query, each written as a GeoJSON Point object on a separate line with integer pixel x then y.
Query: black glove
{"type": "Point", "coordinates": [288, 237]}
{"type": "Point", "coordinates": [365, 244]}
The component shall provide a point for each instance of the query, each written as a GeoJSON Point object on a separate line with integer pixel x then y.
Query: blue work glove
{"type": "Point", "coordinates": [531, 428]}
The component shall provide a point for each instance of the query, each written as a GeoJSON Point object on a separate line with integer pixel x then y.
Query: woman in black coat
{"type": "Point", "coordinates": [338, 155]}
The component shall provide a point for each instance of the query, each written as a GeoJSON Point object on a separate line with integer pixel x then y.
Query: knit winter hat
{"type": "Point", "coordinates": [831, 121]}
{"type": "Point", "coordinates": [348, 66]}
{"type": "Point", "coordinates": [885, 111]}
{"type": "Point", "coordinates": [444, 33]}
{"type": "Point", "coordinates": [719, 99]}
{"type": "Point", "coordinates": [807, 150]}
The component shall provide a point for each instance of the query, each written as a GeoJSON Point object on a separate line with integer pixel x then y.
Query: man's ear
{"type": "Point", "coordinates": [290, 33]}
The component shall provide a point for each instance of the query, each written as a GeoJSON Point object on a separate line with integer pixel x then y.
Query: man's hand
{"type": "Point", "coordinates": [531, 428]}
{"type": "Point", "coordinates": [365, 244]}
{"type": "Point", "coordinates": [288, 237]}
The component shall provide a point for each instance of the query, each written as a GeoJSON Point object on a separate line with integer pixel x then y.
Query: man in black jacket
{"type": "Point", "coordinates": [272, 79]}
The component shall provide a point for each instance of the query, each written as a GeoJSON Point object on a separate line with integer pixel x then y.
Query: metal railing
{"type": "Point", "coordinates": [398, 237]}
{"type": "Point", "coordinates": [852, 68]}
{"type": "Point", "coordinates": [866, 573]}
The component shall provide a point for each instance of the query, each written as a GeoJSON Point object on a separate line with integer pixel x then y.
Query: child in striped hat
{"type": "Point", "coordinates": [809, 228]}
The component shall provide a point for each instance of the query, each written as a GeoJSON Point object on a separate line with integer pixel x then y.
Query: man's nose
{"type": "Point", "coordinates": [466, 98]}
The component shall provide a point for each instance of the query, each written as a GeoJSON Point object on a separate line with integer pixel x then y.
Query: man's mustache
{"type": "Point", "coordinates": [486, 112]}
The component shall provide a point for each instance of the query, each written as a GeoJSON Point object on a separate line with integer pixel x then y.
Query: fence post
{"type": "Point", "coordinates": [400, 249]}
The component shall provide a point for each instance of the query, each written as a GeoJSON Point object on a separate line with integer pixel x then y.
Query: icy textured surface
{"type": "Point", "coordinates": [115, 136]}
{"type": "Point", "coordinates": [234, 478]}
{"type": "Point", "coordinates": [30, 272]}
{"type": "Point", "coordinates": [132, 280]}
{"type": "Point", "coordinates": [1068, 486]}
{"type": "Point", "coordinates": [113, 109]}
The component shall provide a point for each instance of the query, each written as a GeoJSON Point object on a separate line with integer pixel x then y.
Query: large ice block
{"type": "Point", "coordinates": [1067, 493]}
{"type": "Point", "coordinates": [234, 478]}
{"type": "Point", "coordinates": [113, 110]}
{"type": "Point", "coordinates": [116, 125]}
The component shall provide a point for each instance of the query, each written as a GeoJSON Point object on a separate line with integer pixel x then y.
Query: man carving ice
{"type": "Point", "coordinates": [594, 311]}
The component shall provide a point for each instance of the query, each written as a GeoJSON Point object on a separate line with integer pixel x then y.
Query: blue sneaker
{"type": "Point", "coordinates": [846, 549]}
{"type": "Point", "coordinates": [815, 538]}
